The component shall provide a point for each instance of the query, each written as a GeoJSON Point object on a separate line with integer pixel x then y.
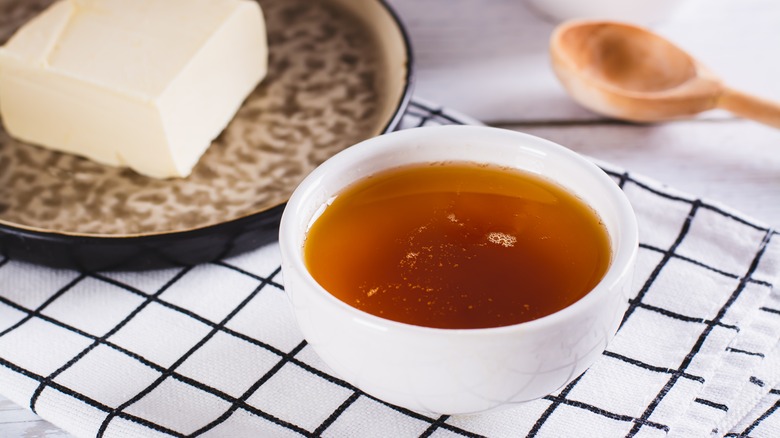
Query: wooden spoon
{"type": "Point", "coordinates": [627, 72]}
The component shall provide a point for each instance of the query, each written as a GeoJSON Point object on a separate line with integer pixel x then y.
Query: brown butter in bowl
{"type": "Point", "coordinates": [457, 245]}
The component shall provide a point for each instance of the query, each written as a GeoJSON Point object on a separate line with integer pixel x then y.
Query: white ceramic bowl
{"type": "Point", "coordinates": [456, 371]}
{"type": "Point", "coordinates": [644, 12]}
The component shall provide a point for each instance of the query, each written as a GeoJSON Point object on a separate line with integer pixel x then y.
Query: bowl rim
{"type": "Point", "coordinates": [621, 266]}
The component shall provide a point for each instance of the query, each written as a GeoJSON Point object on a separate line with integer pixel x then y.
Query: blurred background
{"type": "Point", "coordinates": [489, 59]}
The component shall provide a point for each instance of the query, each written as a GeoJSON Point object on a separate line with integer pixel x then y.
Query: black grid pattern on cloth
{"type": "Point", "coordinates": [294, 357]}
{"type": "Point", "coordinates": [761, 416]}
{"type": "Point", "coordinates": [46, 381]}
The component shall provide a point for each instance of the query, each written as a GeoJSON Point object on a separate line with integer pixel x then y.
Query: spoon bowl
{"type": "Point", "coordinates": [630, 73]}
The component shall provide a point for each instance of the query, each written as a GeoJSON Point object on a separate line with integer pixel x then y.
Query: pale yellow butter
{"type": "Point", "coordinates": [146, 84]}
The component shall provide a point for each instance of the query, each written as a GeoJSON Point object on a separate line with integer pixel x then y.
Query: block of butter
{"type": "Point", "coordinates": [146, 84]}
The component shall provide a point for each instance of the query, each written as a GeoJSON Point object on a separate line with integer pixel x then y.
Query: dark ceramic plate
{"type": "Point", "coordinates": [339, 72]}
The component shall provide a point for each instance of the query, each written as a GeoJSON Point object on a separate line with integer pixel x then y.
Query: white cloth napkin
{"type": "Point", "coordinates": [213, 349]}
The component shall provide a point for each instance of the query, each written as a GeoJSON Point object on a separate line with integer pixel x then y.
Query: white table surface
{"type": "Point", "coordinates": [488, 59]}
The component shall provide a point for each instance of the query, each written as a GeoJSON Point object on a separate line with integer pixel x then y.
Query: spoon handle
{"type": "Point", "coordinates": [750, 107]}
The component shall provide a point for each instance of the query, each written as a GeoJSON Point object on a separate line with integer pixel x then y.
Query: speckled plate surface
{"type": "Point", "coordinates": [339, 72]}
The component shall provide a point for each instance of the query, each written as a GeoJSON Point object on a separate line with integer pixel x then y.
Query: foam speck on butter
{"type": "Point", "coordinates": [146, 84]}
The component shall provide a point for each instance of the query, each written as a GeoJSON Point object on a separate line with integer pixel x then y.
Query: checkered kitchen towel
{"type": "Point", "coordinates": [213, 350]}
